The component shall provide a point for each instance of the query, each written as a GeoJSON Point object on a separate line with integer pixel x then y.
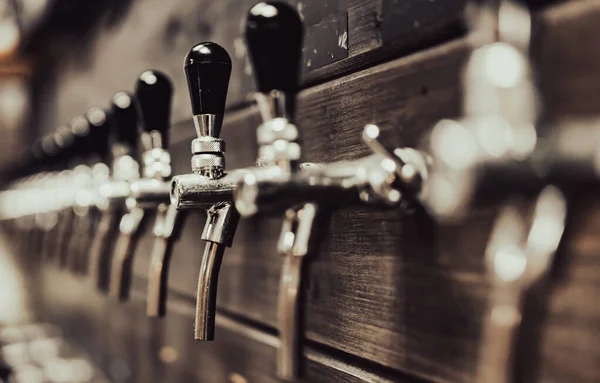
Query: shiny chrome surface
{"type": "Point", "coordinates": [121, 269]}
{"type": "Point", "coordinates": [387, 177]}
{"type": "Point", "coordinates": [208, 125]}
{"type": "Point", "coordinates": [221, 223]}
{"type": "Point", "coordinates": [518, 255]}
{"type": "Point", "coordinates": [99, 257]}
{"type": "Point", "coordinates": [166, 231]}
{"type": "Point", "coordinates": [500, 110]}
{"type": "Point", "coordinates": [149, 193]}
{"type": "Point", "coordinates": [193, 191]}
{"type": "Point", "coordinates": [272, 105]}
{"type": "Point", "coordinates": [206, 294]}
{"type": "Point", "coordinates": [294, 245]}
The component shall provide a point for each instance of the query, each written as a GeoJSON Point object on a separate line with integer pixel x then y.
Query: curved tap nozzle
{"type": "Point", "coordinates": [518, 255]}
{"type": "Point", "coordinates": [153, 94]}
{"type": "Point", "coordinates": [123, 138]}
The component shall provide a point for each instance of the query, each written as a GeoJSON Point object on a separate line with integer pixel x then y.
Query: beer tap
{"type": "Point", "coordinates": [93, 172]}
{"type": "Point", "coordinates": [151, 192]}
{"type": "Point", "coordinates": [80, 158]}
{"type": "Point", "coordinates": [209, 187]}
{"type": "Point", "coordinates": [35, 211]}
{"type": "Point", "coordinates": [274, 35]}
{"type": "Point", "coordinates": [63, 140]}
{"type": "Point", "coordinates": [462, 162]}
{"type": "Point", "coordinates": [124, 170]}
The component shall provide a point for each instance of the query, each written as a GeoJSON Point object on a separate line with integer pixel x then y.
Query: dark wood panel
{"type": "Point", "coordinates": [393, 287]}
{"type": "Point", "coordinates": [133, 348]}
{"type": "Point", "coordinates": [157, 34]}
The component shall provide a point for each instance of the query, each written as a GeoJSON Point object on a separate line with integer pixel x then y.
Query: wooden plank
{"type": "Point", "coordinates": [396, 288]}
{"type": "Point", "coordinates": [86, 71]}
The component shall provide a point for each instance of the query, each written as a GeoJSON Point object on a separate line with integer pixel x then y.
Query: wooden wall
{"type": "Point", "coordinates": [391, 296]}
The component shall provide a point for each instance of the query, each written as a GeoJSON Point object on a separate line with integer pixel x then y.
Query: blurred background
{"type": "Point", "coordinates": [391, 297]}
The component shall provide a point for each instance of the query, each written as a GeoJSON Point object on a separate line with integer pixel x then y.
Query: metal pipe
{"type": "Point", "coordinates": [99, 263]}
{"type": "Point", "coordinates": [500, 330]}
{"type": "Point", "coordinates": [289, 317]}
{"type": "Point", "coordinates": [166, 229]}
{"type": "Point", "coordinates": [156, 300]}
{"type": "Point", "coordinates": [206, 294]}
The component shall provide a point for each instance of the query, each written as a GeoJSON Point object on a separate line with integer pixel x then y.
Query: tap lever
{"type": "Point", "coordinates": [124, 135]}
{"type": "Point", "coordinates": [99, 121]}
{"type": "Point", "coordinates": [208, 67]}
{"type": "Point", "coordinates": [411, 165]}
{"type": "Point", "coordinates": [153, 92]}
{"type": "Point", "coordinates": [294, 245]}
{"type": "Point", "coordinates": [518, 255]}
{"type": "Point", "coordinates": [166, 230]}
{"type": "Point", "coordinates": [274, 35]}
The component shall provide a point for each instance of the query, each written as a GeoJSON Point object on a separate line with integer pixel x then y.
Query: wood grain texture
{"type": "Point", "coordinates": [394, 287]}
{"type": "Point", "coordinates": [90, 67]}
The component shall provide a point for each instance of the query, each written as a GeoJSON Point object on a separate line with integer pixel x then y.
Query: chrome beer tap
{"type": "Point", "coordinates": [63, 141]}
{"type": "Point", "coordinates": [81, 156]}
{"type": "Point", "coordinates": [494, 153]}
{"type": "Point", "coordinates": [31, 204]}
{"type": "Point", "coordinates": [123, 171]}
{"type": "Point", "coordinates": [209, 187]}
{"type": "Point", "coordinates": [93, 172]}
{"type": "Point", "coordinates": [151, 192]}
{"type": "Point", "coordinates": [457, 167]}
{"type": "Point", "coordinates": [274, 35]}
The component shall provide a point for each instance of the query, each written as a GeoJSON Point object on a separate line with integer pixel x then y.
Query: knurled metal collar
{"type": "Point", "coordinates": [208, 161]}
{"type": "Point", "coordinates": [208, 145]}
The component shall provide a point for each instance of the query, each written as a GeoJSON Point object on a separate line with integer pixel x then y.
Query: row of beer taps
{"type": "Point", "coordinates": [84, 180]}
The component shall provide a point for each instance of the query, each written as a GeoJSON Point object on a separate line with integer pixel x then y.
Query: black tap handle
{"type": "Point", "coordinates": [124, 120]}
{"type": "Point", "coordinates": [153, 92]}
{"type": "Point", "coordinates": [274, 35]}
{"type": "Point", "coordinates": [207, 67]}
{"type": "Point", "coordinates": [99, 133]}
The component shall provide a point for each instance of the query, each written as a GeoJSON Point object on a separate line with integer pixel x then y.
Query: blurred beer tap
{"type": "Point", "coordinates": [487, 154]}
{"type": "Point", "coordinates": [34, 213]}
{"type": "Point", "coordinates": [60, 145]}
{"type": "Point", "coordinates": [93, 172]}
{"type": "Point", "coordinates": [274, 36]}
{"type": "Point", "coordinates": [494, 153]}
{"type": "Point", "coordinates": [209, 187]}
{"type": "Point", "coordinates": [79, 177]}
{"type": "Point", "coordinates": [151, 192]}
{"type": "Point", "coordinates": [113, 193]}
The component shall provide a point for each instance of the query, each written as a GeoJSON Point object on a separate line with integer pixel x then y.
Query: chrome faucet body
{"type": "Point", "coordinates": [210, 189]}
